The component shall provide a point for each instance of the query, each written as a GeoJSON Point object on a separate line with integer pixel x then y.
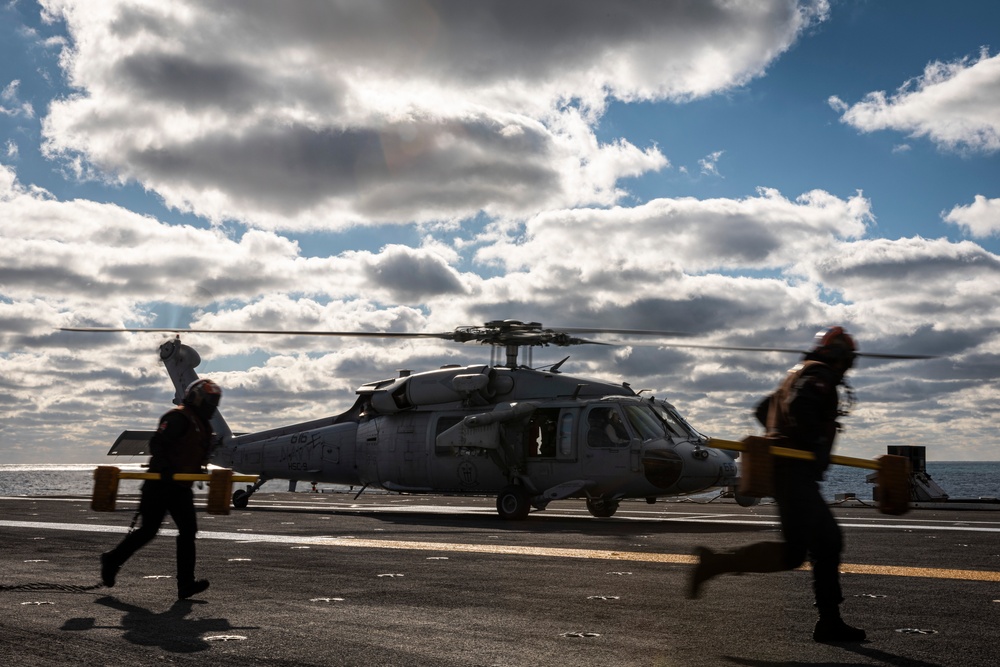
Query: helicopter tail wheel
{"type": "Point", "coordinates": [602, 508]}
{"type": "Point", "coordinates": [513, 503]}
{"type": "Point", "coordinates": [242, 497]}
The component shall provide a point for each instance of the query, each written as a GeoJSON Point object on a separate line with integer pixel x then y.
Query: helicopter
{"type": "Point", "coordinates": [527, 435]}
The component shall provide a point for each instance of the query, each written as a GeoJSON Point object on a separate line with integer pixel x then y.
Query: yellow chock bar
{"type": "Point", "coordinates": [220, 487]}
{"type": "Point", "coordinates": [892, 479]}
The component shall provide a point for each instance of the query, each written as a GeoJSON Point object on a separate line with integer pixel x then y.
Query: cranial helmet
{"type": "Point", "coordinates": [834, 344]}
{"type": "Point", "coordinates": [203, 397]}
{"type": "Point", "coordinates": [598, 417]}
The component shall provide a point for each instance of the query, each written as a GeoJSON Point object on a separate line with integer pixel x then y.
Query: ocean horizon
{"type": "Point", "coordinates": [959, 479]}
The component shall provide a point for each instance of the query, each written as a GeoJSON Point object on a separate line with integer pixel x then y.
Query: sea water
{"type": "Point", "coordinates": [959, 479]}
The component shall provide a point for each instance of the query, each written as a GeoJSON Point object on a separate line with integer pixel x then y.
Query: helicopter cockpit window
{"type": "Point", "coordinates": [644, 422]}
{"type": "Point", "coordinates": [605, 428]}
{"type": "Point", "coordinates": [674, 422]}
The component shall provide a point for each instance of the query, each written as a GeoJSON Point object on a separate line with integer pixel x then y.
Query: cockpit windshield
{"type": "Point", "coordinates": [644, 421]}
{"type": "Point", "coordinates": [674, 423]}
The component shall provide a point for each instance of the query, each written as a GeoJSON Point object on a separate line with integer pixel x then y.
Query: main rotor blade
{"type": "Point", "coordinates": [463, 335]}
{"type": "Point", "coordinates": [266, 332]}
{"type": "Point", "coordinates": [583, 341]}
{"type": "Point", "coordinates": [630, 332]}
{"type": "Point", "coordinates": [737, 348]}
{"type": "Point", "coordinates": [878, 355]}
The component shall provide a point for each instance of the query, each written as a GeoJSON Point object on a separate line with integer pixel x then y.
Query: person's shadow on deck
{"type": "Point", "coordinates": [170, 630]}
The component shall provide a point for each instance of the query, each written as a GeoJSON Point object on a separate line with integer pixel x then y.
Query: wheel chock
{"type": "Point", "coordinates": [105, 489]}
{"type": "Point", "coordinates": [220, 488]}
{"type": "Point", "coordinates": [892, 484]}
{"type": "Point", "coordinates": [757, 469]}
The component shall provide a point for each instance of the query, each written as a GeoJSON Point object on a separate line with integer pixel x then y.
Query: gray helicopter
{"type": "Point", "coordinates": [529, 436]}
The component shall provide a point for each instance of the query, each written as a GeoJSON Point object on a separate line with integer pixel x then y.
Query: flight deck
{"type": "Point", "coordinates": [330, 579]}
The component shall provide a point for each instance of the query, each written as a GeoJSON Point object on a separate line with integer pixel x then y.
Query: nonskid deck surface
{"type": "Point", "coordinates": [330, 579]}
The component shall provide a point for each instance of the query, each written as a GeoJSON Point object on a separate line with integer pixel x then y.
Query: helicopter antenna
{"type": "Point", "coordinates": [555, 367]}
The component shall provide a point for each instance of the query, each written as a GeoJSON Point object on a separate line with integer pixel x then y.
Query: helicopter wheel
{"type": "Point", "coordinates": [512, 503]}
{"type": "Point", "coordinates": [746, 501]}
{"type": "Point", "coordinates": [240, 499]}
{"type": "Point", "coordinates": [602, 508]}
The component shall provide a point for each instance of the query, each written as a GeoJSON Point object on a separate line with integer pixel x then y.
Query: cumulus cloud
{"type": "Point", "coordinates": [11, 105]}
{"type": "Point", "coordinates": [954, 104]}
{"type": "Point", "coordinates": [914, 282]}
{"type": "Point", "coordinates": [766, 231]}
{"type": "Point", "coordinates": [444, 109]}
{"type": "Point", "coordinates": [710, 163]}
{"type": "Point", "coordinates": [101, 261]}
{"type": "Point", "coordinates": [413, 275]}
{"type": "Point", "coordinates": [979, 219]}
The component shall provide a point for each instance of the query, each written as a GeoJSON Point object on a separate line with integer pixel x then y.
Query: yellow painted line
{"type": "Point", "coordinates": [635, 556]}
{"type": "Point", "coordinates": [925, 572]}
{"type": "Point", "coordinates": [495, 549]}
{"type": "Point", "coordinates": [509, 550]}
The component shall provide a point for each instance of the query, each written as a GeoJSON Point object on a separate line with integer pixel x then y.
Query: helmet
{"type": "Point", "coordinates": [599, 417]}
{"type": "Point", "coordinates": [834, 344]}
{"type": "Point", "coordinates": [203, 396]}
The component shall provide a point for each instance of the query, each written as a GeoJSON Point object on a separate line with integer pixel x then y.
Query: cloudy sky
{"type": "Point", "coordinates": [748, 172]}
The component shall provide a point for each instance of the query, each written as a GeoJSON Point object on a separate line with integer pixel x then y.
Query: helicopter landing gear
{"type": "Point", "coordinates": [513, 503]}
{"type": "Point", "coordinates": [242, 496]}
{"type": "Point", "coordinates": [602, 508]}
{"type": "Point", "coordinates": [745, 501]}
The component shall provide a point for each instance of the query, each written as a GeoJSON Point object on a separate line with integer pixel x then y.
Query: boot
{"type": "Point", "coordinates": [757, 557]}
{"type": "Point", "coordinates": [109, 570]}
{"type": "Point", "coordinates": [831, 629]}
{"type": "Point", "coordinates": [186, 590]}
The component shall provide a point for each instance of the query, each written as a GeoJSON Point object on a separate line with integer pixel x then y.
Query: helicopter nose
{"type": "Point", "coordinates": [662, 467]}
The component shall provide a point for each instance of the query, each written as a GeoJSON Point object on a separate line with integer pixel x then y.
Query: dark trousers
{"type": "Point", "coordinates": [157, 499]}
{"type": "Point", "coordinates": [810, 530]}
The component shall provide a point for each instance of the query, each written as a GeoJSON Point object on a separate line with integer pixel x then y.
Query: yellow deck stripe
{"type": "Point", "coordinates": [926, 572]}
{"type": "Point", "coordinates": [510, 550]}
{"type": "Point", "coordinates": [636, 556]}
